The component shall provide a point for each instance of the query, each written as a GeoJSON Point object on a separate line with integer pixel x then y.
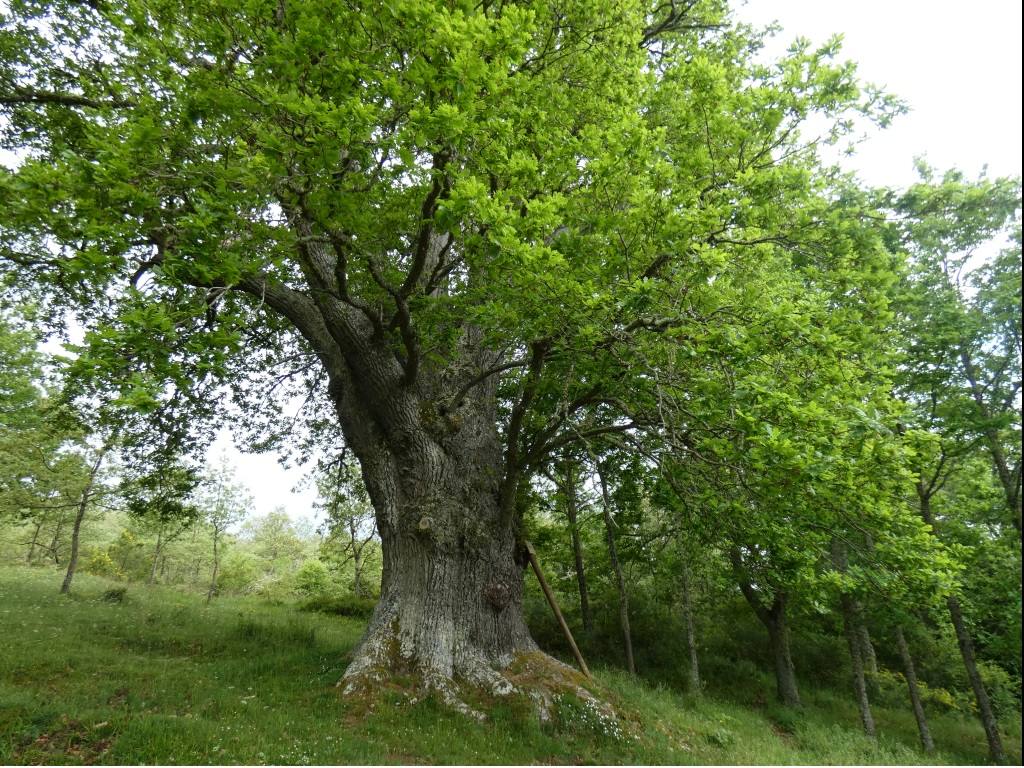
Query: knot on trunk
{"type": "Point", "coordinates": [498, 595]}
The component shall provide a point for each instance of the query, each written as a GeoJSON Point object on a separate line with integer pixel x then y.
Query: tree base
{"type": "Point", "coordinates": [533, 675]}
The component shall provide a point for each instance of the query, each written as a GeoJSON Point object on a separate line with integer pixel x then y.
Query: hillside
{"type": "Point", "coordinates": [157, 677]}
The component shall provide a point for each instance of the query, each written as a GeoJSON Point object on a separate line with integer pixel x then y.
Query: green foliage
{"type": "Point", "coordinates": [340, 605]}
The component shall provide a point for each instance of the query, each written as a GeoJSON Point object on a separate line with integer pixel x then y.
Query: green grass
{"type": "Point", "coordinates": [160, 678]}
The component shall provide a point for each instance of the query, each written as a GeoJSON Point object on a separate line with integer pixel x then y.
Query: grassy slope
{"type": "Point", "coordinates": [160, 678]}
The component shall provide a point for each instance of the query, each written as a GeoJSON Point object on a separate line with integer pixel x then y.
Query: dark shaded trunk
{"type": "Point", "coordinates": [910, 675]}
{"type": "Point", "coordinates": [988, 718]}
{"type": "Point", "coordinates": [572, 512]}
{"type": "Point", "coordinates": [76, 530]}
{"type": "Point", "coordinates": [774, 620]}
{"type": "Point", "coordinates": [963, 638]}
{"type": "Point", "coordinates": [691, 634]}
{"type": "Point", "coordinates": [620, 582]}
{"type": "Point", "coordinates": [851, 628]}
{"type": "Point", "coordinates": [785, 674]}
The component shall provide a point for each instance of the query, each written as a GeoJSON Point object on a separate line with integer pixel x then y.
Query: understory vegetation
{"type": "Point", "coordinates": [152, 675]}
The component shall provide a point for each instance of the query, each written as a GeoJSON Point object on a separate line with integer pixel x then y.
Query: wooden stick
{"type": "Point", "coordinates": [554, 607]}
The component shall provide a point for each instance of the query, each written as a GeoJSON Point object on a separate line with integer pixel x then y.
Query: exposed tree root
{"type": "Point", "coordinates": [533, 675]}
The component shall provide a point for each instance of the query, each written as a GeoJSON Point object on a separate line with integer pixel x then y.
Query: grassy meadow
{"type": "Point", "coordinates": [158, 677]}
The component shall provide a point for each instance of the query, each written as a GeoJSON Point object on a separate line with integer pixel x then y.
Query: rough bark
{"type": "Point", "coordinates": [83, 505]}
{"type": "Point", "coordinates": [867, 648]}
{"type": "Point", "coordinates": [572, 512]}
{"type": "Point", "coordinates": [988, 718]}
{"type": "Point", "coordinates": [620, 581]}
{"type": "Point", "coordinates": [851, 627]}
{"type": "Point", "coordinates": [450, 610]}
{"type": "Point", "coordinates": [910, 675]}
{"type": "Point", "coordinates": [691, 634]}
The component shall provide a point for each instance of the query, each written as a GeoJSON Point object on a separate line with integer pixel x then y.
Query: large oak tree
{"type": "Point", "coordinates": [477, 231]}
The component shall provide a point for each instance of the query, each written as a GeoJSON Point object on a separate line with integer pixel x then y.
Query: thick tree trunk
{"type": "Point", "coordinates": [572, 512]}
{"type": "Point", "coordinates": [851, 626]}
{"type": "Point", "coordinates": [620, 582]}
{"type": "Point", "coordinates": [785, 674]}
{"type": "Point", "coordinates": [988, 718]}
{"type": "Point", "coordinates": [910, 675]}
{"type": "Point", "coordinates": [83, 504]}
{"type": "Point", "coordinates": [451, 604]}
{"type": "Point", "coordinates": [691, 634]}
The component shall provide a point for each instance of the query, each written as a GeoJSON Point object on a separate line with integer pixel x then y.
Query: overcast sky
{"type": "Point", "coordinates": [958, 65]}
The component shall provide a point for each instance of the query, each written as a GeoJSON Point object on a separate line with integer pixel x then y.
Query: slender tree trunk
{"type": "Point", "coordinates": [156, 556]}
{"type": "Point", "coordinates": [691, 634]}
{"type": "Point", "coordinates": [609, 526]}
{"type": "Point", "coordinates": [851, 624]}
{"type": "Point", "coordinates": [216, 566]}
{"type": "Point", "coordinates": [988, 718]}
{"type": "Point", "coordinates": [963, 638]}
{"type": "Point", "coordinates": [76, 530]}
{"type": "Point", "coordinates": [357, 558]}
{"type": "Point", "coordinates": [1009, 478]}
{"type": "Point", "coordinates": [572, 512]}
{"type": "Point", "coordinates": [55, 541]}
{"type": "Point", "coordinates": [32, 544]}
{"type": "Point", "coordinates": [910, 675]}
{"type": "Point", "coordinates": [867, 649]}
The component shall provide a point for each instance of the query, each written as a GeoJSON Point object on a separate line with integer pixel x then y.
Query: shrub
{"type": "Point", "coordinates": [340, 605]}
{"type": "Point", "coordinates": [100, 563]}
{"type": "Point", "coordinates": [115, 595]}
{"type": "Point", "coordinates": [313, 579]}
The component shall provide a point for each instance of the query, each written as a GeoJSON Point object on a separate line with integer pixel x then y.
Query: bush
{"type": "Point", "coordinates": [100, 563]}
{"type": "Point", "coordinates": [313, 579]}
{"type": "Point", "coordinates": [1003, 690]}
{"type": "Point", "coordinates": [115, 595]}
{"type": "Point", "coordinates": [340, 605]}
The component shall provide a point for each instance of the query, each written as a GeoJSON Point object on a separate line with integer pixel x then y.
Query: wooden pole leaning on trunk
{"type": "Point", "coordinates": [554, 607]}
